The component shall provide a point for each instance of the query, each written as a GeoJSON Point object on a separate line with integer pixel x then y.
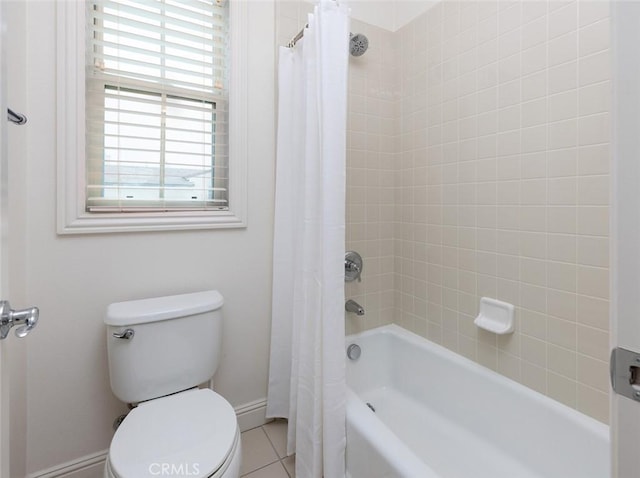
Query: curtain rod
{"type": "Point", "coordinates": [300, 34]}
{"type": "Point", "coordinates": [297, 38]}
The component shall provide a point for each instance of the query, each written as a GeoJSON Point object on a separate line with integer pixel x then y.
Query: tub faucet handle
{"type": "Point", "coordinates": [352, 266]}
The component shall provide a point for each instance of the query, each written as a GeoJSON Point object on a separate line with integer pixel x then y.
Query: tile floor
{"type": "Point", "coordinates": [264, 452]}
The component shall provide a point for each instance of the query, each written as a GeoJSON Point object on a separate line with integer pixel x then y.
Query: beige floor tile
{"type": "Point", "coordinates": [290, 465]}
{"type": "Point", "coordinates": [275, 470]}
{"type": "Point", "coordinates": [277, 433]}
{"type": "Point", "coordinates": [257, 451]}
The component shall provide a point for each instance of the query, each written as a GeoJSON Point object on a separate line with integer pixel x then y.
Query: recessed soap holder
{"type": "Point", "coordinates": [496, 316]}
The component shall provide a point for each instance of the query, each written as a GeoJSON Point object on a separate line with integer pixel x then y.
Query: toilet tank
{"type": "Point", "coordinates": [176, 344]}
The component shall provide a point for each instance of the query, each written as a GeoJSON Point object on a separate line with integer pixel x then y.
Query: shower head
{"type": "Point", "coordinates": [358, 44]}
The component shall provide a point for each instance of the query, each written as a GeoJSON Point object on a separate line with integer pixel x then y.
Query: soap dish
{"type": "Point", "coordinates": [496, 316]}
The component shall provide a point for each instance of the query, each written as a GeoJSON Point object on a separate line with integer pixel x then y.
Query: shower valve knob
{"type": "Point", "coordinates": [352, 266]}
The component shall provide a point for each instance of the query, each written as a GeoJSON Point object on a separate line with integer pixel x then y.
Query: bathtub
{"type": "Point", "coordinates": [418, 410]}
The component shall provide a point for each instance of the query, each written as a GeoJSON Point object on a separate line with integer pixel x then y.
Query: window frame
{"type": "Point", "coordinates": [116, 205]}
{"type": "Point", "coordinates": [72, 217]}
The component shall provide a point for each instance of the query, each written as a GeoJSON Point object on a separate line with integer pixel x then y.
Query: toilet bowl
{"type": "Point", "coordinates": [157, 347]}
{"type": "Point", "coordinates": [189, 434]}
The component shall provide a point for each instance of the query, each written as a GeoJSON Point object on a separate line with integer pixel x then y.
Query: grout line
{"type": "Point", "coordinates": [264, 466]}
{"type": "Point", "coordinates": [278, 460]}
{"type": "Point", "coordinates": [271, 442]}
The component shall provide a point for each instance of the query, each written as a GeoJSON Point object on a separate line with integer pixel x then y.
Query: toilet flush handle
{"type": "Point", "coordinates": [126, 334]}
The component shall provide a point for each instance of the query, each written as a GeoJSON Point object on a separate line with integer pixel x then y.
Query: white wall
{"type": "Point", "coordinates": [70, 408]}
{"type": "Point", "coordinates": [390, 15]}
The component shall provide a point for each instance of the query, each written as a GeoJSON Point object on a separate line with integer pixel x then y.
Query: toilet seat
{"type": "Point", "coordinates": [192, 433]}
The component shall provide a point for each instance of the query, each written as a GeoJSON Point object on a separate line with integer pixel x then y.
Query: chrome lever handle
{"type": "Point", "coordinates": [4, 330]}
{"type": "Point", "coordinates": [26, 318]}
{"type": "Point", "coordinates": [126, 334]}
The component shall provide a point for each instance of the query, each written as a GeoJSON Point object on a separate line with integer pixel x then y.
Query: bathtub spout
{"type": "Point", "coordinates": [353, 306]}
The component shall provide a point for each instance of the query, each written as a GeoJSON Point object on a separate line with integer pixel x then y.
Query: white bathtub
{"type": "Point", "coordinates": [438, 414]}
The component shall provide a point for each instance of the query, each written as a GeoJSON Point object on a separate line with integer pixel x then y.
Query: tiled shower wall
{"type": "Point", "coordinates": [503, 188]}
{"type": "Point", "coordinates": [477, 165]}
{"type": "Point", "coordinates": [372, 153]}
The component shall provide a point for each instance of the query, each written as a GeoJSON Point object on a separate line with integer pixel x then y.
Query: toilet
{"type": "Point", "coordinates": [159, 351]}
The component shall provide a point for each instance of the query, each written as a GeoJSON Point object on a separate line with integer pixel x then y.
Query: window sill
{"type": "Point", "coordinates": [142, 222]}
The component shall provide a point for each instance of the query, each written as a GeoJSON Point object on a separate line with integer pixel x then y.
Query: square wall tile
{"type": "Point", "coordinates": [478, 165]}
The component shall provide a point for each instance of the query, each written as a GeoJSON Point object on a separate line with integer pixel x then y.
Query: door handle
{"type": "Point", "coordinates": [624, 369]}
{"type": "Point", "coordinates": [27, 319]}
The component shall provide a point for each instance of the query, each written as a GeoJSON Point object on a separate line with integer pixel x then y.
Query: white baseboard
{"type": "Point", "coordinates": [89, 466]}
{"type": "Point", "coordinates": [250, 415]}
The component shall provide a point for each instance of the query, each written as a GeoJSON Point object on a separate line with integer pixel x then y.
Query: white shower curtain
{"type": "Point", "coordinates": [307, 365]}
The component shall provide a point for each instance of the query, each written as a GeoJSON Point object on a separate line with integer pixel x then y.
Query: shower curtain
{"type": "Point", "coordinates": [307, 363]}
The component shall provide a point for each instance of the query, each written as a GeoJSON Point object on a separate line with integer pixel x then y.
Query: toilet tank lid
{"type": "Point", "coordinates": [162, 308]}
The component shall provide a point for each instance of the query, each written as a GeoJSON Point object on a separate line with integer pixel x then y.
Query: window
{"type": "Point", "coordinates": [156, 105]}
{"type": "Point", "coordinates": [162, 111]}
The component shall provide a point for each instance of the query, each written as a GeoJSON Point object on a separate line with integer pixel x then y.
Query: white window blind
{"type": "Point", "coordinates": [156, 105]}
